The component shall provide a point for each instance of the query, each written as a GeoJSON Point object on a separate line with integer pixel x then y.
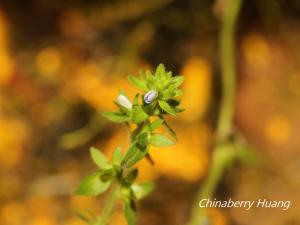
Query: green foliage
{"type": "Point", "coordinates": [158, 98]}
{"type": "Point", "coordinates": [117, 157]}
{"type": "Point", "coordinates": [99, 159]}
{"type": "Point", "coordinates": [92, 185]}
{"type": "Point", "coordinates": [130, 212]}
{"type": "Point", "coordinates": [116, 117]}
{"type": "Point", "coordinates": [138, 115]}
{"type": "Point", "coordinates": [160, 140]}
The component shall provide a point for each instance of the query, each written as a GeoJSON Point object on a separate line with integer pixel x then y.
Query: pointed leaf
{"type": "Point", "coordinates": [136, 99]}
{"type": "Point", "coordinates": [92, 185]}
{"type": "Point", "coordinates": [141, 84]}
{"type": "Point", "coordinates": [155, 124]}
{"type": "Point", "coordinates": [166, 107]}
{"type": "Point", "coordinates": [99, 159]}
{"type": "Point", "coordinates": [160, 70]}
{"type": "Point", "coordinates": [117, 156]}
{"type": "Point", "coordinates": [160, 140]}
{"type": "Point", "coordinates": [117, 117]}
{"type": "Point", "coordinates": [178, 80]}
{"type": "Point", "coordinates": [134, 154]}
{"type": "Point", "coordinates": [170, 130]}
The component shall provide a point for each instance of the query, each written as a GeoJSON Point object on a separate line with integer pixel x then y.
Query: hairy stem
{"type": "Point", "coordinates": [111, 199]}
{"type": "Point", "coordinates": [109, 204]}
{"type": "Point", "coordinates": [221, 155]}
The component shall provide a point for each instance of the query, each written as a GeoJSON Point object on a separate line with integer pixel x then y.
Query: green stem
{"type": "Point", "coordinates": [228, 67]}
{"type": "Point", "coordinates": [111, 199]}
{"type": "Point", "coordinates": [109, 204]}
{"type": "Point", "coordinates": [221, 154]}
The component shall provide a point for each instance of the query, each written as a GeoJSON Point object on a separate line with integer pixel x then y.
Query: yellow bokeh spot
{"type": "Point", "coordinates": [118, 218]}
{"type": "Point", "coordinates": [48, 61]}
{"type": "Point", "coordinates": [42, 220]}
{"type": "Point", "coordinates": [13, 213]}
{"type": "Point", "coordinates": [196, 88]}
{"type": "Point", "coordinates": [256, 51]}
{"type": "Point", "coordinates": [83, 203]}
{"type": "Point", "coordinates": [13, 133]}
{"type": "Point", "coordinates": [186, 160]}
{"type": "Point", "coordinates": [278, 129]}
{"type": "Point", "coordinates": [42, 206]}
{"type": "Point", "coordinates": [92, 86]}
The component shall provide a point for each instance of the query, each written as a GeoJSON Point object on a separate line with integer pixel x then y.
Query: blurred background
{"type": "Point", "coordinates": [63, 62]}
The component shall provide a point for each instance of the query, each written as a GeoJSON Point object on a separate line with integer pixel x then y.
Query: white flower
{"type": "Point", "coordinates": [150, 96]}
{"type": "Point", "coordinates": [124, 101]}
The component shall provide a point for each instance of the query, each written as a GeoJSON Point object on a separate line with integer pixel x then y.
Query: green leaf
{"type": "Point", "coordinates": [99, 159]}
{"type": "Point", "coordinates": [142, 190]}
{"type": "Point", "coordinates": [136, 100]}
{"type": "Point", "coordinates": [137, 157]}
{"type": "Point", "coordinates": [130, 212]}
{"type": "Point", "coordinates": [166, 107]}
{"type": "Point", "coordinates": [179, 110]}
{"type": "Point", "coordinates": [155, 124]}
{"type": "Point", "coordinates": [160, 140]}
{"type": "Point", "coordinates": [92, 185]}
{"type": "Point", "coordinates": [167, 94]}
{"type": "Point", "coordinates": [117, 156]}
{"type": "Point", "coordinates": [138, 114]}
{"type": "Point", "coordinates": [160, 70]}
{"type": "Point", "coordinates": [178, 93]}
{"type": "Point", "coordinates": [142, 138]}
{"type": "Point", "coordinates": [178, 80]}
{"type": "Point", "coordinates": [130, 152]}
{"type": "Point", "coordinates": [134, 154]}
{"type": "Point", "coordinates": [170, 130]}
{"type": "Point", "coordinates": [117, 117]}
{"type": "Point", "coordinates": [141, 84]}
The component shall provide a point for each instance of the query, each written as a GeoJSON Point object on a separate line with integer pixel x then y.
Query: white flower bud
{"type": "Point", "coordinates": [150, 96]}
{"type": "Point", "coordinates": [124, 101]}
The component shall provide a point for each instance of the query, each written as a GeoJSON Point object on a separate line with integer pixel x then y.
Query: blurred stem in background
{"type": "Point", "coordinates": [224, 151]}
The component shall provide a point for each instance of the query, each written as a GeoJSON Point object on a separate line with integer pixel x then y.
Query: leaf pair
{"type": "Point", "coordinates": [98, 182]}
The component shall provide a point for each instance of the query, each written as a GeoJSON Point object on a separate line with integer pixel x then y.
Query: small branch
{"type": "Point", "coordinates": [222, 153]}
